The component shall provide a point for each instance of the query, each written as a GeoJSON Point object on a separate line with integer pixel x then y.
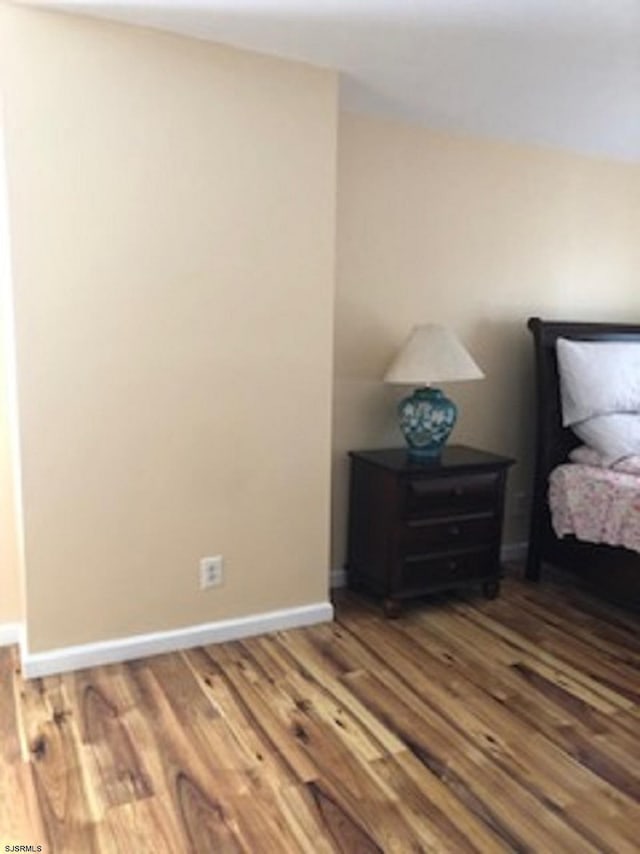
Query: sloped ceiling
{"type": "Point", "coordinates": [564, 73]}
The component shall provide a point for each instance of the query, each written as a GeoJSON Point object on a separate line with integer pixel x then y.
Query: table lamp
{"type": "Point", "coordinates": [431, 353]}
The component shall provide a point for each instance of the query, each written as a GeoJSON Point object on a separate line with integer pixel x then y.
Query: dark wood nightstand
{"type": "Point", "coordinates": [417, 527]}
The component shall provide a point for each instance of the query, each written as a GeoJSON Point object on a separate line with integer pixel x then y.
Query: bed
{"type": "Point", "coordinates": [613, 571]}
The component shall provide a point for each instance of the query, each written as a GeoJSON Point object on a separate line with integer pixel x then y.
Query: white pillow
{"type": "Point", "coordinates": [597, 378]}
{"type": "Point", "coordinates": [630, 465]}
{"type": "Point", "coordinates": [616, 435]}
{"type": "Point", "coordinates": [587, 456]}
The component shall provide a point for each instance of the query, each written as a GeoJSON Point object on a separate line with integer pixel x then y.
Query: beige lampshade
{"type": "Point", "coordinates": [431, 354]}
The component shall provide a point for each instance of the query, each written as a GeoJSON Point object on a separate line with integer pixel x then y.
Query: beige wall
{"type": "Point", "coordinates": [477, 235]}
{"type": "Point", "coordinates": [172, 207]}
{"type": "Point", "coordinates": [11, 610]}
{"type": "Point", "coordinates": [11, 606]}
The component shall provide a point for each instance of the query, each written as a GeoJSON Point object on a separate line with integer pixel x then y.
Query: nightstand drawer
{"type": "Point", "coordinates": [448, 496]}
{"type": "Point", "coordinates": [452, 531]}
{"type": "Point", "coordinates": [424, 572]}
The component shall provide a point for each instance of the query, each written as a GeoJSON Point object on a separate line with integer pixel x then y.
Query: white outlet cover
{"type": "Point", "coordinates": [211, 571]}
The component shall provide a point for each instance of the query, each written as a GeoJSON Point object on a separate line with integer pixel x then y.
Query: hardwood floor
{"type": "Point", "coordinates": [468, 725]}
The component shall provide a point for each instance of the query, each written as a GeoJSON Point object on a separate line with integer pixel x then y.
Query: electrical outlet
{"type": "Point", "coordinates": [211, 572]}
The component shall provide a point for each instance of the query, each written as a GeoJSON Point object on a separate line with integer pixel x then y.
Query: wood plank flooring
{"type": "Point", "coordinates": [467, 725]}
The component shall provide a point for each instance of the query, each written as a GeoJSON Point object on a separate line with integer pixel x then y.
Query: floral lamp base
{"type": "Point", "coordinates": [427, 418]}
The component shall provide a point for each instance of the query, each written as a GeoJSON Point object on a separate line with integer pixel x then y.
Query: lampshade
{"type": "Point", "coordinates": [431, 354]}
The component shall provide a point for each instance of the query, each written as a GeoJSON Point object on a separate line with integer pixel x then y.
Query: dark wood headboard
{"type": "Point", "coordinates": [553, 441]}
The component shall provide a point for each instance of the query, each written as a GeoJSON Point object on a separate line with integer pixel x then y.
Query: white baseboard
{"type": "Point", "coordinates": [10, 633]}
{"type": "Point", "coordinates": [338, 578]}
{"type": "Point", "coordinates": [509, 552]}
{"type": "Point", "coordinates": [514, 552]}
{"type": "Point", "coordinates": [138, 646]}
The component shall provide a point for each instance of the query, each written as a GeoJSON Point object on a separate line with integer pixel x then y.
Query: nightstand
{"type": "Point", "coordinates": [416, 527]}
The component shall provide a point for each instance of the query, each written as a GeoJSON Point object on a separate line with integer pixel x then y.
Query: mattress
{"type": "Point", "coordinates": [596, 505]}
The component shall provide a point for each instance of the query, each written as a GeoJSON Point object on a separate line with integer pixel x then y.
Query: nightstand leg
{"type": "Point", "coordinates": [491, 589]}
{"type": "Point", "coordinates": [392, 608]}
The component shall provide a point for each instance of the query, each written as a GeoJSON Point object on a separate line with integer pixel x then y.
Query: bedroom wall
{"type": "Point", "coordinates": [478, 235]}
{"type": "Point", "coordinates": [11, 606]}
{"type": "Point", "coordinates": [172, 208]}
{"type": "Point", "coordinates": [11, 610]}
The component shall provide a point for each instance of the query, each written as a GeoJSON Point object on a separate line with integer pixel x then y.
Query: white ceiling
{"type": "Point", "coordinates": [563, 73]}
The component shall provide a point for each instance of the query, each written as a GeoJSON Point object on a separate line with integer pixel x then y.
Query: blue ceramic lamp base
{"type": "Point", "coordinates": [427, 418]}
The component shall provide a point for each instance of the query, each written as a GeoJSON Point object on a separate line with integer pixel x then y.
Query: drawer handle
{"type": "Point", "coordinates": [458, 491]}
{"type": "Point", "coordinates": [452, 566]}
{"type": "Point", "coordinates": [454, 530]}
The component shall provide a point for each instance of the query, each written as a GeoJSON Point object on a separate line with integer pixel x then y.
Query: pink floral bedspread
{"type": "Point", "coordinates": [597, 505]}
